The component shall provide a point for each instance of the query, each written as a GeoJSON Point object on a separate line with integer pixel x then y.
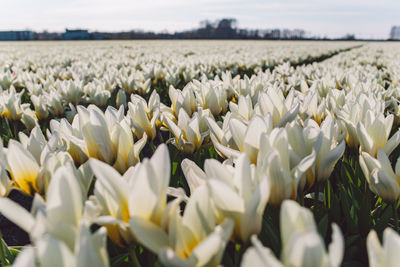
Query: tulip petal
{"type": "Point", "coordinates": [251, 141]}
{"type": "Point", "coordinates": [328, 162]}
{"type": "Point", "coordinates": [169, 258]}
{"type": "Point", "coordinates": [52, 252]}
{"type": "Point", "coordinates": [161, 165]}
{"type": "Point", "coordinates": [366, 142]}
{"type": "Point", "coordinates": [176, 131]}
{"type": "Point", "coordinates": [384, 185]}
{"type": "Point", "coordinates": [215, 169]}
{"type": "Point", "coordinates": [144, 198]}
{"type": "Point", "coordinates": [294, 219]}
{"type": "Point", "coordinates": [251, 220]}
{"type": "Point", "coordinates": [375, 250]}
{"type": "Point", "coordinates": [17, 214]}
{"type": "Point", "coordinates": [392, 143]}
{"type": "Point", "coordinates": [149, 234]}
{"type": "Point", "coordinates": [336, 247]}
{"type": "Point", "coordinates": [238, 130]}
{"type": "Point", "coordinates": [209, 252]}
{"type": "Point", "coordinates": [113, 183]}
{"type": "Point", "coordinates": [368, 164]}
{"type": "Point", "coordinates": [215, 129]}
{"type": "Point", "coordinates": [289, 116]}
{"type": "Point", "coordinates": [391, 244]}
{"type": "Point", "coordinates": [242, 178]}
{"type": "Point", "coordinates": [199, 213]}
{"type": "Point", "coordinates": [194, 175]}
{"type": "Point", "coordinates": [258, 255]}
{"type": "Point", "coordinates": [304, 249]}
{"type": "Point", "coordinates": [23, 167]}
{"type": "Point", "coordinates": [224, 151]}
{"type": "Point", "coordinates": [385, 162]}
{"type": "Point", "coordinates": [225, 197]}
{"type": "Point", "coordinates": [64, 198]}
{"type": "Point", "coordinates": [26, 258]}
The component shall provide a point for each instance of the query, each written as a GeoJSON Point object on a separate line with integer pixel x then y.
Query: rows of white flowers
{"type": "Point", "coordinates": [280, 133]}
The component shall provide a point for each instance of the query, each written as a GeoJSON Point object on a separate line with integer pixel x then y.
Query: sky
{"type": "Point", "coordinates": [330, 18]}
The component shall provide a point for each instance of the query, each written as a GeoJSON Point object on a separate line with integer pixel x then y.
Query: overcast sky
{"type": "Point", "coordinates": [332, 18]}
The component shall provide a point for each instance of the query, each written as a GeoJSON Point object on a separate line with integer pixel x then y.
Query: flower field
{"type": "Point", "coordinates": [200, 153]}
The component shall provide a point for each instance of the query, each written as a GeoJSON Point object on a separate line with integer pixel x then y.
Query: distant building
{"type": "Point", "coordinates": [97, 36]}
{"type": "Point", "coordinates": [16, 35]}
{"type": "Point", "coordinates": [47, 36]}
{"type": "Point", "coordinates": [395, 33]}
{"type": "Point", "coordinates": [275, 34]}
{"type": "Point", "coordinates": [76, 35]}
{"type": "Point", "coordinates": [298, 34]}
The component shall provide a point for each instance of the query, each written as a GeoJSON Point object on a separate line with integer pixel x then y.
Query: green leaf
{"type": "Point", "coordinates": [323, 226]}
{"type": "Point", "coordinates": [384, 219]}
{"type": "Point", "coordinates": [7, 255]}
{"type": "Point", "coordinates": [174, 167]}
{"type": "Point", "coordinates": [119, 259]}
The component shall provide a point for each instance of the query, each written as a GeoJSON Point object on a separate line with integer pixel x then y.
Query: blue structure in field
{"type": "Point", "coordinates": [76, 35]}
{"type": "Point", "coordinates": [81, 35]}
{"type": "Point", "coordinates": [16, 35]}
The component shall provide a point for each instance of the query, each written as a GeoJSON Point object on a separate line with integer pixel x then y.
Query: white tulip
{"type": "Point", "coordinates": [23, 167]}
{"type": "Point", "coordinates": [188, 137]}
{"type": "Point", "coordinates": [11, 104]}
{"type": "Point", "coordinates": [381, 178]}
{"type": "Point", "coordinates": [384, 254]}
{"type": "Point", "coordinates": [236, 192]}
{"type": "Point", "coordinates": [274, 160]}
{"type": "Point", "coordinates": [141, 192]}
{"type": "Point", "coordinates": [374, 132]}
{"type": "Point", "coordinates": [144, 118]}
{"type": "Point", "coordinates": [301, 244]}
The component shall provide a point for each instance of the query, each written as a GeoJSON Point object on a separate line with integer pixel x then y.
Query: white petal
{"type": "Point", "coordinates": [336, 247]}
{"type": "Point", "coordinates": [149, 234]}
{"type": "Point", "coordinates": [251, 220]}
{"type": "Point", "coordinates": [26, 258]}
{"type": "Point", "coordinates": [170, 259]}
{"type": "Point", "coordinates": [258, 255]}
{"type": "Point", "coordinates": [209, 252]}
{"type": "Point", "coordinates": [112, 182]}
{"type": "Point", "coordinates": [194, 174]}
{"type": "Point", "coordinates": [374, 248]}
{"type": "Point", "coordinates": [294, 219]}
{"type": "Point", "coordinates": [329, 160]}
{"type": "Point", "coordinates": [17, 214]}
{"type": "Point", "coordinates": [392, 143]}
{"type": "Point", "coordinates": [238, 130]}
{"type": "Point", "coordinates": [162, 167]}
{"type": "Point", "coordinates": [225, 197]}
{"type": "Point", "coordinates": [144, 198]}
{"type": "Point", "coordinates": [365, 140]}
{"type": "Point", "coordinates": [384, 185]}
{"type": "Point", "coordinates": [64, 198]}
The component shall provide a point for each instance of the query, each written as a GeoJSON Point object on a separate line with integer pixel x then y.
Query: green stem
{"type": "Point", "coordinates": [152, 146]}
{"type": "Point", "coordinates": [316, 193]}
{"type": "Point", "coordinates": [9, 127]}
{"type": "Point", "coordinates": [239, 251]}
{"type": "Point", "coordinates": [15, 129]}
{"type": "Point", "coordinates": [327, 199]}
{"type": "Point", "coordinates": [160, 136]}
{"type": "Point", "coordinates": [395, 217]}
{"type": "Point", "coordinates": [2, 253]}
{"type": "Point", "coordinates": [300, 197]}
{"type": "Point", "coordinates": [132, 255]}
